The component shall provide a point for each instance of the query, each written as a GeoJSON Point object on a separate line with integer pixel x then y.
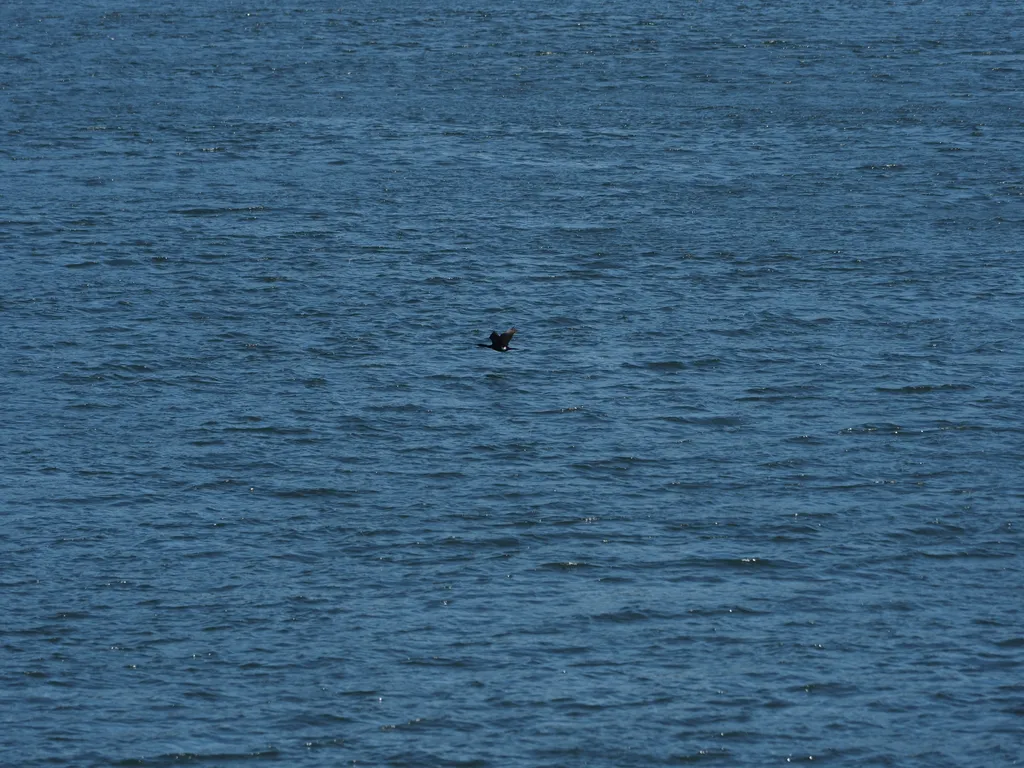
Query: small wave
{"type": "Point", "coordinates": [806, 439]}
{"type": "Point", "coordinates": [324, 743]}
{"type": "Point", "coordinates": [177, 758]}
{"type": "Point", "coordinates": [707, 755]}
{"type": "Point", "coordinates": [566, 565]}
{"type": "Point", "coordinates": [882, 167]}
{"type": "Point", "coordinates": [303, 493]}
{"type": "Point", "coordinates": [216, 211]}
{"type": "Point", "coordinates": [559, 411]}
{"type": "Point", "coordinates": [1013, 642]}
{"type": "Point", "coordinates": [628, 615]}
{"type": "Point", "coordinates": [738, 562]}
{"type": "Point", "coordinates": [967, 555]}
{"type": "Point", "coordinates": [917, 389]}
{"type": "Point", "coordinates": [707, 362]}
{"type": "Point", "coordinates": [719, 421]}
{"type": "Point", "coordinates": [867, 429]}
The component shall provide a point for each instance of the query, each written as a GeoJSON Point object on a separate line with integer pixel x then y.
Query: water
{"type": "Point", "coordinates": [746, 492]}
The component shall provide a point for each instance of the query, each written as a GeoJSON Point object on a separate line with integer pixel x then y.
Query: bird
{"type": "Point", "coordinates": [499, 341]}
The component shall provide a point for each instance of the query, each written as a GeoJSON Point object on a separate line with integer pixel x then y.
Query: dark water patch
{"type": "Point", "coordinates": [887, 167]}
{"type": "Point", "coordinates": [87, 406]}
{"type": "Point", "coordinates": [627, 616]}
{"type": "Point", "coordinates": [326, 743]}
{"type": "Point", "coordinates": [561, 411]}
{"type": "Point", "coordinates": [445, 475]}
{"type": "Point", "coordinates": [919, 389]}
{"type": "Point", "coordinates": [840, 689]}
{"type": "Point", "coordinates": [268, 430]}
{"type": "Point", "coordinates": [200, 212]}
{"type": "Point", "coordinates": [65, 615]}
{"type": "Point", "coordinates": [178, 758]}
{"type": "Point", "coordinates": [707, 362]}
{"type": "Point", "coordinates": [779, 394]}
{"type": "Point", "coordinates": [617, 465]}
{"type": "Point", "coordinates": [806, 440]}
{"type": "Point", "coordinates": [719, 421]}
{"type": "Point", "coordinates": [871, 429]}
{"type": "Point", "coordinates": [711, 755]}
{"type": "Point", "coordinates": [205, 554]}
{"type": "Point", "coordinates": [666, 365]}
{"type": "Point", "coordinates": [567, 565]}
{"type": "Point", "coordinates": [746, 563]}
{"type": "Point", "coordinates": [960, 554]}
{"type": "Point", "coordinates": [316, 492]}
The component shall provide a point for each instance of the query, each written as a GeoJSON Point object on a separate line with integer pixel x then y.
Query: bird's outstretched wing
{"type": "Point", "coordinates": [502, 340]}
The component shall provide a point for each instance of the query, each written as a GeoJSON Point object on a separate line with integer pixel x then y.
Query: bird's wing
{"type": "Point", "coordinates": [495, 338]}
{"type": "Point", "coordinates": [506, 337]}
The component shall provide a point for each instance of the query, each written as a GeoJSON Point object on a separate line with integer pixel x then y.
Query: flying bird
{"type": "Point", "coordinates": [499, 341]}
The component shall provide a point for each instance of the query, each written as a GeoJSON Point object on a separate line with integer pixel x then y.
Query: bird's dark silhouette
{"type": "Point", "coordinates": [499, 341]}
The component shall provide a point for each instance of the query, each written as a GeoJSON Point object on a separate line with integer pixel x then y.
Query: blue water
{"type": "Point", "coordinates": [746, 491]}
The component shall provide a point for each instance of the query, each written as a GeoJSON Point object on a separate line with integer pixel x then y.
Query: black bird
{"type": "Point", "coordinates": [499, 341]}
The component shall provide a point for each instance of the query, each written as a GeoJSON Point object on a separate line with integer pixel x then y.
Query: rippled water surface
{"type": "Point", "coordinates": [745, 491]}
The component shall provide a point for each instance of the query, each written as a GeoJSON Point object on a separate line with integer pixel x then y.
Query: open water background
{"type": "Point", "coordinates": [747, 492]}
